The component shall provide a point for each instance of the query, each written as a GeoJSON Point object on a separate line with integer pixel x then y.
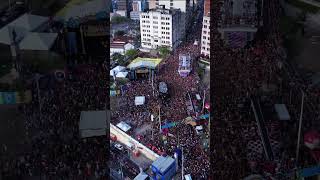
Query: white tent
{"type": "Point", "coordinates": [116, 70]}
{"type": "Point", "coordinates": [122, 74]}
{"type": "Point", "coordinates": [38, 41]}
{"type": "Point", "coordinates": [124, 126]}
{"type": "Point", "coordinates": [187, 177]}
{"type": "Point", "coordinates": [139, 100]}
{"type": "Point", "coordinates": [21, 26]}
{"type": "Point", "coordinates": [93, 123]}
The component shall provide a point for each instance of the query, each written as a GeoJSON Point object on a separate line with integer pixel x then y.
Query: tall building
{"type": "Point", "coordinates": [183, 5]}
{"type": "Point", "coordinates": [240, 21]}
{"type": "Point", "coordinates": [160, 27]}
{"type": "Point", "coordinates": [138, 6]}
{"type": "Point", "coordinates": [123, 7]}
{"type": "Point", "coordinates": [205, 34]}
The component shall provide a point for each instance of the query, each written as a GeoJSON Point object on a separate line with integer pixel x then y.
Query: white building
{"type": "Point", "coordinates": [160, 27]}
{"type": "Point", "coordinates": [183, 5]}
{"type": "Point", "coordinates": [120, 47]}
{"type": "Point", "coordinates": [205, 34]}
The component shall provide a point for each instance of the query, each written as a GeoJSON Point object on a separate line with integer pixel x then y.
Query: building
{"type": "Point", "coordinates": [205, 35]}
{"type": "Point", "coordinates": [240, 21]}
{"type": "Point", "coordinates": [120, 47]}
{"type": "Point", "coordinates": [123, 7]}
{"type": "Point", "coordinates": [160, 27]}
{"type": "Point", "coordinates": [185, 7]}
{"type": "Point", "coordinates": [138, 6]}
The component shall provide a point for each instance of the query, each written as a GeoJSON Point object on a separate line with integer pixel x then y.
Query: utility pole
{"type": "Point", "coordinates": [39, 100]}
{"type": "Point", "coordinates": [299, 131]}
{"type": "Point", "coordinates": [182, 167]}
{"type": "Point", "coordinates": [159, 119]}
{"type": "Point", "coordinates": [152, 126]}
{"type": "Point", "coordinates": [204, 97]}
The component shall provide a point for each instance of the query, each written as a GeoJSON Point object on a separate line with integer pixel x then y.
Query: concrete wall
{"type": "Point", "coordinates": [127, 140]}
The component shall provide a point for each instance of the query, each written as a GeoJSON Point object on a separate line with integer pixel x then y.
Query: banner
{"type": "Point", "coordinates": [15, 97]}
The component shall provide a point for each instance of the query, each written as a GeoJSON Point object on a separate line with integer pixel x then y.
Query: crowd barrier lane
{"type": "Point", "coordinates": [129, 141]}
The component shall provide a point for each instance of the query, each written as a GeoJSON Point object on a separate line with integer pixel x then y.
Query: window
{"type": "Point", "coordinates": [162, 18]}
{"type": "Point", "coordinates": [203, 37]}
{"type": "Point", "coordinates": [155, 17]}
{"type": "Point", "coordinates": [155, 40]}
{"type": "Point", "coordinates": [167, 28]}
{"type": "Point", "coordinates": [171, 4]}
{"type": "Point", "coordinates": [204, 32]}
{"type": "Point", "coordinates": [155, 27]}
{"type": "Point", "coordinates": [162, 23]}
{"type": "Point", "coordinates": [204, 26]}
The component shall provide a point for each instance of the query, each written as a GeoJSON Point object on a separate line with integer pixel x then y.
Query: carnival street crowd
{"type": "Point", "coordinates": [56, 150]}
{"type": "Point", "coordinates": [239, 75]}
{"type": "Point", "coordinates": [196, 160]}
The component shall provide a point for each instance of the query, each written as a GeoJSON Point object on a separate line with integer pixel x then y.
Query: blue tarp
{"type": "Point", "coordinates": [307, 172]}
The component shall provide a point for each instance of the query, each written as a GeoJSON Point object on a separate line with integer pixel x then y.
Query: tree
{"type": "Point", "coordinates": [120, 59]}
{"type": "Point", "coordinates": [119, 33]}
{"type": "Point", "coordinates": [118, 19]}
{"type": "Point", "coordinates": [164, 51]}
{"type": "Point", "coordinates": [132, 53]}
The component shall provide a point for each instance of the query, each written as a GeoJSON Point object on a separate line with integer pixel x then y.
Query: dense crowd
{"type": "Point", "coordinates": [174, 109]}
{"type": "Point", "coordinates": [56, 149]}
{"type": "Point", "coordinates": [240, 75]}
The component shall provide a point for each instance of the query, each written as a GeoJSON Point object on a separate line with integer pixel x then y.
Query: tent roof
{"type": "Point", "coordinates": [22, 26]}
{"type": "Point", "coordinates": [29, 22]}
{"type": "Point", "coordinates": [141, 176]}
{"type": "Point", "coordinates": [144, 62]}
{"type": "Point", "coordinates": [93, 120]}
{"type": "Point", "coordinates": [282, 111]}
{"type": "Point", "coordinates": [139, 100]}
{"type": "Point", "coordinates": [122, 74]}
{"type": "Point", "coordinates": [38, 41]}
{"type": "Point", "coordinates": [124, 126]}
{"type": "Point", "coordinates": [116, 70]}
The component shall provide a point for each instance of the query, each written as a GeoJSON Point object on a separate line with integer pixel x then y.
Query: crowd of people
{"type": "Point", "coordinates": [56, 149]}
{"type": "Point", "coordinates": [241, 74]}
{"type": "Point", "coordinates": [174, 109]}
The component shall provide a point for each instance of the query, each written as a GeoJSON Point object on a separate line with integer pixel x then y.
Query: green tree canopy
{"type": "Point", "coordinates": [132, 53]}
{"type": "Point", "coordinates": [164, 51]}
{"type": "Point", "coordinates": [118, 19]}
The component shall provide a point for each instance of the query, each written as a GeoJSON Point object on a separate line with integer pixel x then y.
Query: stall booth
{"type": "Point", "coordinates": [143, 68]}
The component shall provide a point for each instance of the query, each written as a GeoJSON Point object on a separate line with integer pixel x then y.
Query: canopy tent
{"type": "Point", "coordinates": [82, 8]}
{"type": "Point", "coordinates": [124, 126]}
{"type": "Point", "coordinates": [122, 74]}
{"type": "Point", "coordinates": [187, 177]}
{"type": "Point", "coordinates": [116, 70]}
{"type": "Point", "coordinates": [144, 63]}
{"type": "Point", "coordinates": [141, 176]}
{"type": "Point", "coordinates": [139, 100]}
{"type": "Point", "coordinates": [93, 123]}
{"type": "Point", "coordinates": [282, 111]}
{"type": "Point", "coordinates": [22, 25]}
{"type": "Point", "coordinates": [38, 41]}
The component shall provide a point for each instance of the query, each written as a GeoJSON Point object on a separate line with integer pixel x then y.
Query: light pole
{"type": "Point", "coordinates": [39, 100]}
{"type": "Point", "coordinates": [182, 164]}
{"type": "Point", "coordinates": [299, 131]}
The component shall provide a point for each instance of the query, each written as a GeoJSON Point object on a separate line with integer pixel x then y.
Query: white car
{"type": "Point", "coordinates": [119, 147]}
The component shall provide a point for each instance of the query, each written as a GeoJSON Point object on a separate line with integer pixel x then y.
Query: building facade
{"type": "Point", "coordinates": [205, 34]}
{"type": "Point", "coordinates": [240, 21]}
{"type": "Point", "coordinates": [138, 6]}
{"type": "Point", "coordinates": [160, 27]}
{"type": "Point", "coordinates": [123, 7]}
{"type": "Point", "coordinates": [183, 5]}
